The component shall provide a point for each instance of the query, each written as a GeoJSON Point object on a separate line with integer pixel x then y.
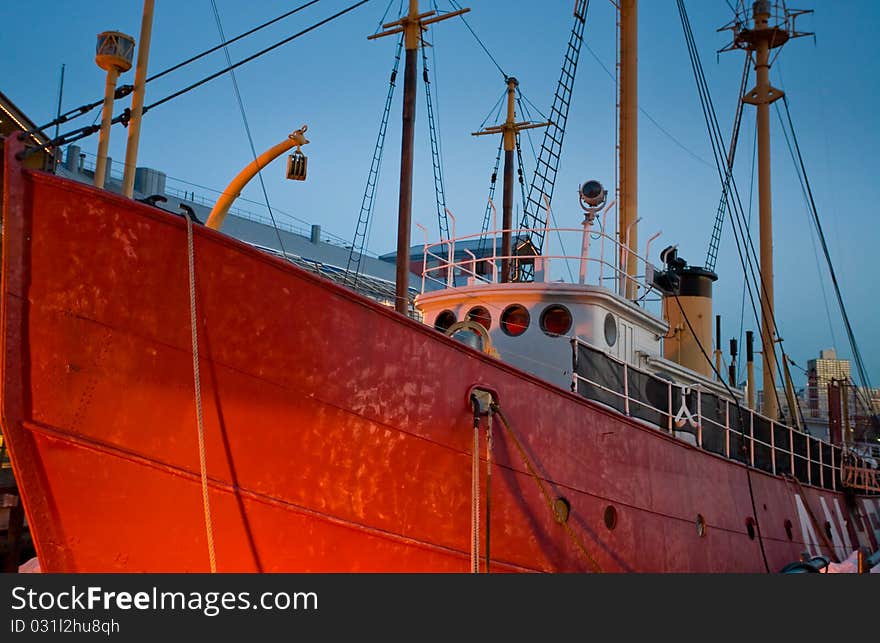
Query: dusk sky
{"type": "Point", "coordinates": [335, 80]}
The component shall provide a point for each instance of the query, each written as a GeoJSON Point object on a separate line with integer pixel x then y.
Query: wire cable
{"type": "Point", "coordinates": [480, 42]}
{"type": "Point", "coordinates": [247, 127]}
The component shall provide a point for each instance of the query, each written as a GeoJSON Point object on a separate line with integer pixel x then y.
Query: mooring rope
{"type": "Point", "coordinates": [475, 498]}
{"type": "Point", "coordinates": [206, 503]}
{"type": "Point", "coordinates": [564, 522]}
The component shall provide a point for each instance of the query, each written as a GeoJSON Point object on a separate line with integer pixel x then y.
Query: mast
{"type": "Point", "coordinates": [509, 130]}
{"type": "Point", "coordinates": [760, 39]}
{"type": "Point", "coordinates": [412, 25]}
{"type": "Point", "coordinates": [137, 100]}
{"type": "Point", "coordinates": [627, 229]}
{"type": "Point", "coordinates": [114, 54]}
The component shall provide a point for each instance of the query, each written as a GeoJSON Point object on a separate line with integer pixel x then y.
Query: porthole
{"type": "Point", "coordinates": [444, 321]}
{"type": "Point", "coordinates": [610, 329]}
{"type": "Point", "coordinates": [610, 517]}
{"type": "Point", "coordinates": [480, 315]}
{"type": "Point", "coordinates": [750, 527]}
{"type": "Point", "coordinates": [556, 320]}
{"type": "Point", "coordinates": [788, 531]}
{"type": "Point", "coordinates": [515, 320]}
{"type": "Point", "coordinates": [561, 510]}
{"type": "Point", "coordinates": [828, 530]}
{"type": "Point", "coordinates": [701, 525]}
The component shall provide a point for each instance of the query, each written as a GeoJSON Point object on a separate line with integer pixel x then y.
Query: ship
{"type": "Point", "coordinates": [176, 400]}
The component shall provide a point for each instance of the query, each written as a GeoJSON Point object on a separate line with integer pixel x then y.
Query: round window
{"type": "Point", "coordinates": [480, 315]}
{"type": "Point", "coordinates": [444, 321]}
{"type": "Point", "coordinates": [610, 517]}
{"type": "Point", "coordinates": [556, 320]}
{"type": "Point", "coordinates": [610, 329]}
{"type": "Point", "coordinates": [515, 320]}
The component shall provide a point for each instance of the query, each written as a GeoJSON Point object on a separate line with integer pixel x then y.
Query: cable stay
{"type": "Point", "coordinates": [544, 178]}
{"type": "Point", "coordinates": [125, 116]}
{"type": "Point", "coordinates": [439, 195]}
{"type": "Point", "coordinates": [487, 215]}
{"type": "Point", "coordinates": [742, 235]}
{"type": "Point", "coordinates": [124, 90]}
{"type": "Point", "coordinates": [353, 267]}
{"type": "Point", "coordinates": [802, 175]}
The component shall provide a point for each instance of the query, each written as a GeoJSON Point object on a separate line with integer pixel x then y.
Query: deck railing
{"type": "Point", "coordinates": [453, 262]}
{"type": "Point", "coordinates": [717, 424]}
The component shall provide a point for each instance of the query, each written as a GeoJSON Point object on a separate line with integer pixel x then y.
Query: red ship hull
{"type": "Point", "coordinates": [338, 432]}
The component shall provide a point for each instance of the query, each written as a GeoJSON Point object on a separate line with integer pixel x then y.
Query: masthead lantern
{"type": "Point", "coordinates": [115, 50]}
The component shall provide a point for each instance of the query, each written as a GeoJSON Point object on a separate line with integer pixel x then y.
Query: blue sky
{"type": "Point", "coordinates": [335, 80]}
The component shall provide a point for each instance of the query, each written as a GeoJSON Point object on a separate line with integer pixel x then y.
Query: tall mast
{"type": "Point", "coordinates": [628, 233]}
{"type": "Point", "coordinates": [508, 130]}
{"type": "Point", "coordinates": [412, 25]}
{"type": "Point", "coordinates": [137, 100]}
{"type": "Point", "coordinates": [760, 39]}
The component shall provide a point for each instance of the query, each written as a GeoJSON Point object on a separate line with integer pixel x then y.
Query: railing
{"type": "Point", "coordinates": [193, 197]}
{"type": "Point", "coordinates": [450, 263]}
{"type": "Point", "coordinates": [717, 424]}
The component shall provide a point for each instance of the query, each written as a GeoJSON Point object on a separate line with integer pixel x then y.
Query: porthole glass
{"type": "Point", "coordinates": [515, 320]}
{"type": "Point", "coordinates": [480, 315]}
{"type": "Point", "coordinates": [788, 531]}
{"type": "Point", "coordinates": [750, 527]}
{"type": "Point", "coordinates": [610, 329]}
{"type": "Point", "coordinates": [828, 530]}
{"type": "Point", "coordinates": [610, 517]}
{"type": "Point", "coordinates": [444, 321]}
{"type": "Point", "coordinates": [556, 320]}
{"type": "Point", "coordinates": [701, 525]}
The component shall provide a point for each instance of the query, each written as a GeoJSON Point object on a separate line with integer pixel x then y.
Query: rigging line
{"type": "Point", "coordinates": [256, 55]}
{"type": "Point", "coordinates": [384, 15]}
{"type": "Point", "coordinates": [247, 127]}
{"type": "Point", "coordinates": [716, 138]}
{"type": "Point", "coordinates": [524, 109]}
{"type": "Point", "coordinates": [226, 43]}
{"type": "Point", "coordinates": [856, 353]}
{"type": "Point", "coordinates": [742, 425]}
{"type": "Point", "coordinates": [436, 88]}
{"type": "Point", "coordinates": [715, 238]}
{"type": "Point", "coordinates": [124, 90]}
{"type": "Point", "coordinates": [124, 117]}
{"type": "Point", "coordinates": [809, 219]}
{"type": "Point", "coordinates": [647, 115]}
{"type": "Point", "coordinates": [533, 106]}
{"type": "Point", "coordinates": [480, 42]}
{"type": "Point", "coordinates": [494, 109]}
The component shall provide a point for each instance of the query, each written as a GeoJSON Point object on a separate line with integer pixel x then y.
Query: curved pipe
{"type": "Point", "coordinates": [233, 190]}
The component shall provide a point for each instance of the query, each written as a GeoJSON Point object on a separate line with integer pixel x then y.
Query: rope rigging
{"type": "Point", "coordinates": [247, 127]}
{"type": "Point", "coordinates": [802, 171]}
{"type": "Point", "coordinates": [439, 194]}
{"type": "Point", "coordinates": [124, 90]}
{"type": "Point", "coordinates": [540, 193]}
{"type": "Point", "coordinates": [125, 116]}
{"type": "Point", "coordinates": [353, 267]}
{"type": "Point", "coordinates": [742, 235]}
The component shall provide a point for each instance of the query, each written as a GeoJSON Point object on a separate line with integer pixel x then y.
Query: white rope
{"type": "Point", "coordinates": [475, 502]}
{"type": "Point", "coordinates": [206, 503]}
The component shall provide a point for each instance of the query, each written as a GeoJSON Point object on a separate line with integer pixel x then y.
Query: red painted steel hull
{"type": "Point", "coordinates": [338, 432]}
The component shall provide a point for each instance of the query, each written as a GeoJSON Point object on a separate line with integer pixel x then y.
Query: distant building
{"type": "Point", "coordinates": [820, 373]}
